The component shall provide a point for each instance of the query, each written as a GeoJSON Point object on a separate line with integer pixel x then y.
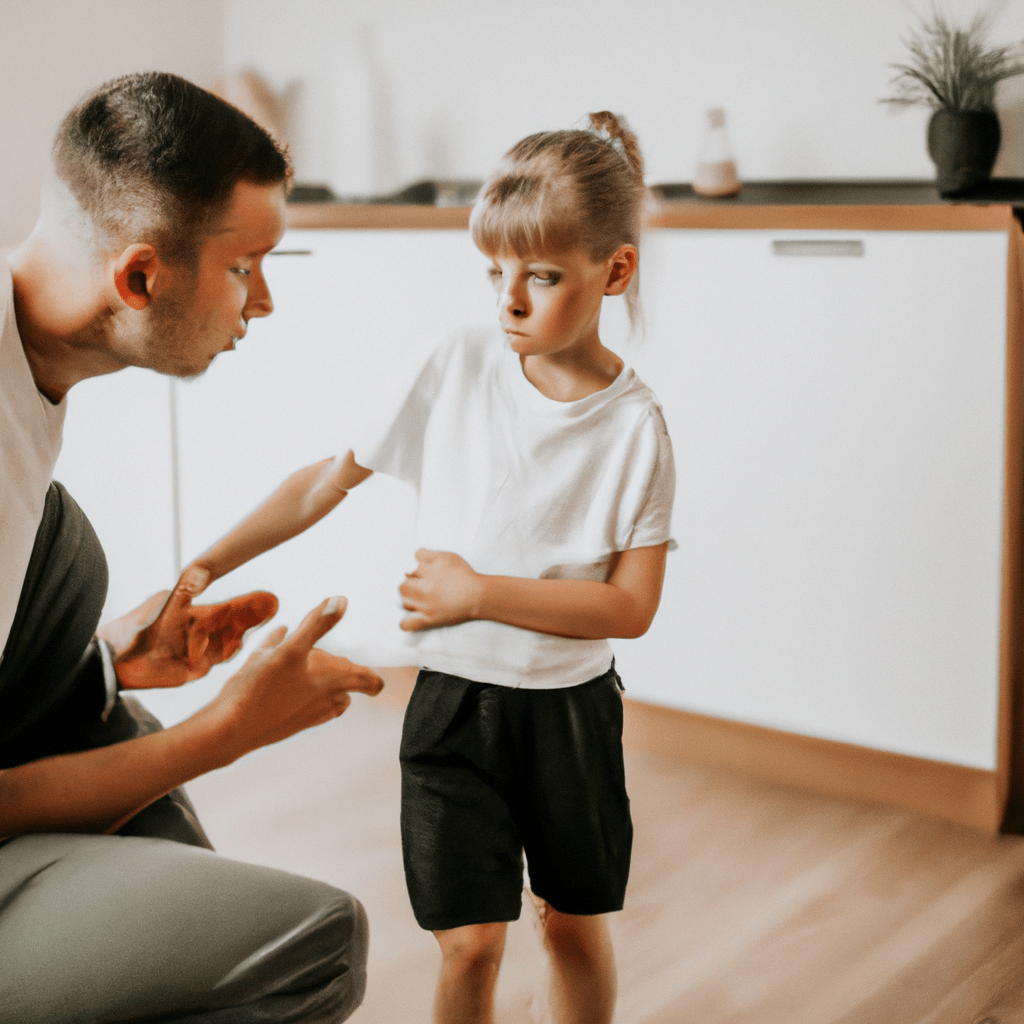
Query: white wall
{"type": "Point", "coordinates": [53, 51]}
{"type": "Point", "coordinates": [383, 92]}
{"type": "Point", "coordinates": [443, 87]}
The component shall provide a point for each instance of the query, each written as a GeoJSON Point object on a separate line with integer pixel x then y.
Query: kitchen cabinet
{"type": "Point", "coordinates": [842, 388]}
{"type": "Point", "coordinates": [844, 611]}
{"type": "Point", "coordinates": [838, 418]}
{"type": "Point", "coordinates": [116, 462]}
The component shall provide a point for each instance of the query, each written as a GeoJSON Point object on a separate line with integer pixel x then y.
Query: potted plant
{"type": "Point", "coordinates": [955, 71]}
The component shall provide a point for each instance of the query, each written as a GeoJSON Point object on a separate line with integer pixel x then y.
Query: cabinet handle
{"type": "Point", "coordinates": [290, 252]}
{"type": "Point", "coordinates": [817, 247]}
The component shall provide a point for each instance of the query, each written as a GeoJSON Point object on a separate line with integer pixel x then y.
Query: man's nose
{"type": "Point", "coordinates": [258, 302]}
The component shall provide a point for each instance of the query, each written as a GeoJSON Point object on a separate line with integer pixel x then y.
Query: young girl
{"type": "Point", "coordinates": [545, 482]}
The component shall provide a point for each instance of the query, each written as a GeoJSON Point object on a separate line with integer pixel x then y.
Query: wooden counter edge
{"type": "Point", "coordinates": [1010, 741]}
{"type": "Point", "coordinates": [949, 217]}
{"type": "Point", "coordinates": [958, 217]}
{"type": "Point", "coordinates": [355, 216]}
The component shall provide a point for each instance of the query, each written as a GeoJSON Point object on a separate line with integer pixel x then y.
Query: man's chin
{"type": "Point", "coordinates": [191, 373]}
{"type": "Point", "coordinates": [182, 373]}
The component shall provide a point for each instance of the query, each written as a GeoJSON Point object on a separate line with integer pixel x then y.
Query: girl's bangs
{"type": "Point", "coordinates": [521, 215]}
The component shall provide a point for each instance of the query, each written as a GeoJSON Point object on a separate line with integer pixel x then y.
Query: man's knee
{"type": "Point", "coordinates": [339, 941]}
{"type": "Point", "coordinates": [314, 963]}
{"type": "Point", "coordinates": [358, 948]}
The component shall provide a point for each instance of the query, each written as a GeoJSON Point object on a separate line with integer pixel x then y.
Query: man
{"type": "Point", "coordinates": [161, 203]}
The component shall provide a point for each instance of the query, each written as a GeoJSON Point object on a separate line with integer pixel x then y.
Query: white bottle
{"type": "Point", "coordinates": [716, 169]}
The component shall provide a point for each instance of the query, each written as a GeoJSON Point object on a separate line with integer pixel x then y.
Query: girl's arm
{"type": "Point", "coordinates": [444, 591]}
{"type": "Point", "coordinates": [299, 502]}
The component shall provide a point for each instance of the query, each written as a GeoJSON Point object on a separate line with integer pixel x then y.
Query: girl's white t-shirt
{"type": "Point", "coordinates": [30, 439]}
{"type": "Point", "coordinates": [521, 485]}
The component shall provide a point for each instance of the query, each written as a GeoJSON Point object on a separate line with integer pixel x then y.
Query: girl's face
{"type": "Point", "coordinates": [550, 304]}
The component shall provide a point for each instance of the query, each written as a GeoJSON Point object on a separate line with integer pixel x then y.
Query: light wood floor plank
{"type": "Point", "coordinates": [748, 903]}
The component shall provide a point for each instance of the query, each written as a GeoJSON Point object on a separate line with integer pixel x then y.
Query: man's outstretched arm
{"type": "Point", "coordinates": [285, 686]}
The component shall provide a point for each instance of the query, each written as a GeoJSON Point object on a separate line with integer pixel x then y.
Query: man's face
{"type": "Point", "coordinates": [205, 310]}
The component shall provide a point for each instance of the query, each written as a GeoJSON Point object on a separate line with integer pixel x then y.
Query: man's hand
{"type": "Point", "coordinates": [285, 686]}
{"type": "Point", "coordinates": [167, 641]}
{"type": "Point", "coordinates": [442, 591]}
{"type": "Point", "coordinates": [288, 685]}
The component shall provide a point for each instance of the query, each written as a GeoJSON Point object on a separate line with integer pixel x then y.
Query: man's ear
{"type": "Point", "coordinates": [622, 266]}
{"type": "Point", "coordinates": [134, 274]}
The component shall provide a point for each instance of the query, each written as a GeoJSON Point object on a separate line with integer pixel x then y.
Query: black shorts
{"type": "Point", "coordinates": [489, 772]}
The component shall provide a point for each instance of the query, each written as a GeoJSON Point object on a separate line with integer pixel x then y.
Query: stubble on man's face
{"type": "Point", "coordinates": [172, 339]}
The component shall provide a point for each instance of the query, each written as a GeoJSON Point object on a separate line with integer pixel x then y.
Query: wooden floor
{"type": "Point", "coordinates": [747, 903]}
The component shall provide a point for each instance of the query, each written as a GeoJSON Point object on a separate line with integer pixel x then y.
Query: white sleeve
{"type": "Point", "coordinates": [392, 442]}
{"type": "Point", "coordinates": [653, 522]}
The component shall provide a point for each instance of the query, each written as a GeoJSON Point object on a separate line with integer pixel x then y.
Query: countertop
{"type": "Point", "coordinates": [878, 204]}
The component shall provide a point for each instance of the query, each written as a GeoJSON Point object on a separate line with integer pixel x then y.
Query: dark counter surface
{"type": "Point", "coordinates": [836, 192]}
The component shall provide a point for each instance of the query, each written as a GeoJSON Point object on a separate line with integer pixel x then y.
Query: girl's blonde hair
{"type": "Point", "coordinates": [561, 190]}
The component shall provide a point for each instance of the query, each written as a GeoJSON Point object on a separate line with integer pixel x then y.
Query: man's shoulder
{"type": "Point", "coordinates": [12, 355]}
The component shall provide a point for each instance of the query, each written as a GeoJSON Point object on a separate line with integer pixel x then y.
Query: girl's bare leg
{"type": "Point", "coordinates": [583, 981]}
{"type": "Point", "coordinates": [470, 958]}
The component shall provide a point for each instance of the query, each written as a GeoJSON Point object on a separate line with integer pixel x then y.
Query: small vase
{"type": "Point", "coordinates": [716, 170]}
{"type": "Point", "coordinates": [963, 145]}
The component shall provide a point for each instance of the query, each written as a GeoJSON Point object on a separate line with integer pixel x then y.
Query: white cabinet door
{"type": "Point", "coordinates": [116, 463]}
{"type": "Point", "coordinates": [838, 428]}
{"type": "Point", "coordinates": [356, 313]}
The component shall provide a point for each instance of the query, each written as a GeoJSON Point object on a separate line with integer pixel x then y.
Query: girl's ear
{"type": "Point", "coordinates": [134, 274]}
{"type": "Point", "coordinates": [622, 266]}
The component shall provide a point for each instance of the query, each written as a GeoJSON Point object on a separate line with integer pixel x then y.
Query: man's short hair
{"type": "Point", "coordinates": [154, 157]}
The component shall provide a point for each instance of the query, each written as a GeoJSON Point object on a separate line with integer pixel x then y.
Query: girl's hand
{"type": "Point", "coordinates": [168, 641]}
{"type": "Point", "coordinates": [442, 591]}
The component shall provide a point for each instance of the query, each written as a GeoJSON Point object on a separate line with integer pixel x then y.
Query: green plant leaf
{"type": "Point", "coordinates": [951, 67]}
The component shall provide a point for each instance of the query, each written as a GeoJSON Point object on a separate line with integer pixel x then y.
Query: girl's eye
{"type": "Point", "coordinates": [546, 279]}
{"type": "Point", "coordinates": [241, 270]}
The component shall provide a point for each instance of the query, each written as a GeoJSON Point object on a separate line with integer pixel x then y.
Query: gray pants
{"type": "Point", "coordinates": [133, 927]}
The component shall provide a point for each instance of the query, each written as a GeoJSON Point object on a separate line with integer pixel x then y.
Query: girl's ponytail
{"type": "Point", "coordinates": [615, 129]}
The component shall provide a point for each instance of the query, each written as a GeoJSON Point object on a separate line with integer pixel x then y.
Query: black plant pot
{"type": "Point", "coordinates": [963, 145]}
